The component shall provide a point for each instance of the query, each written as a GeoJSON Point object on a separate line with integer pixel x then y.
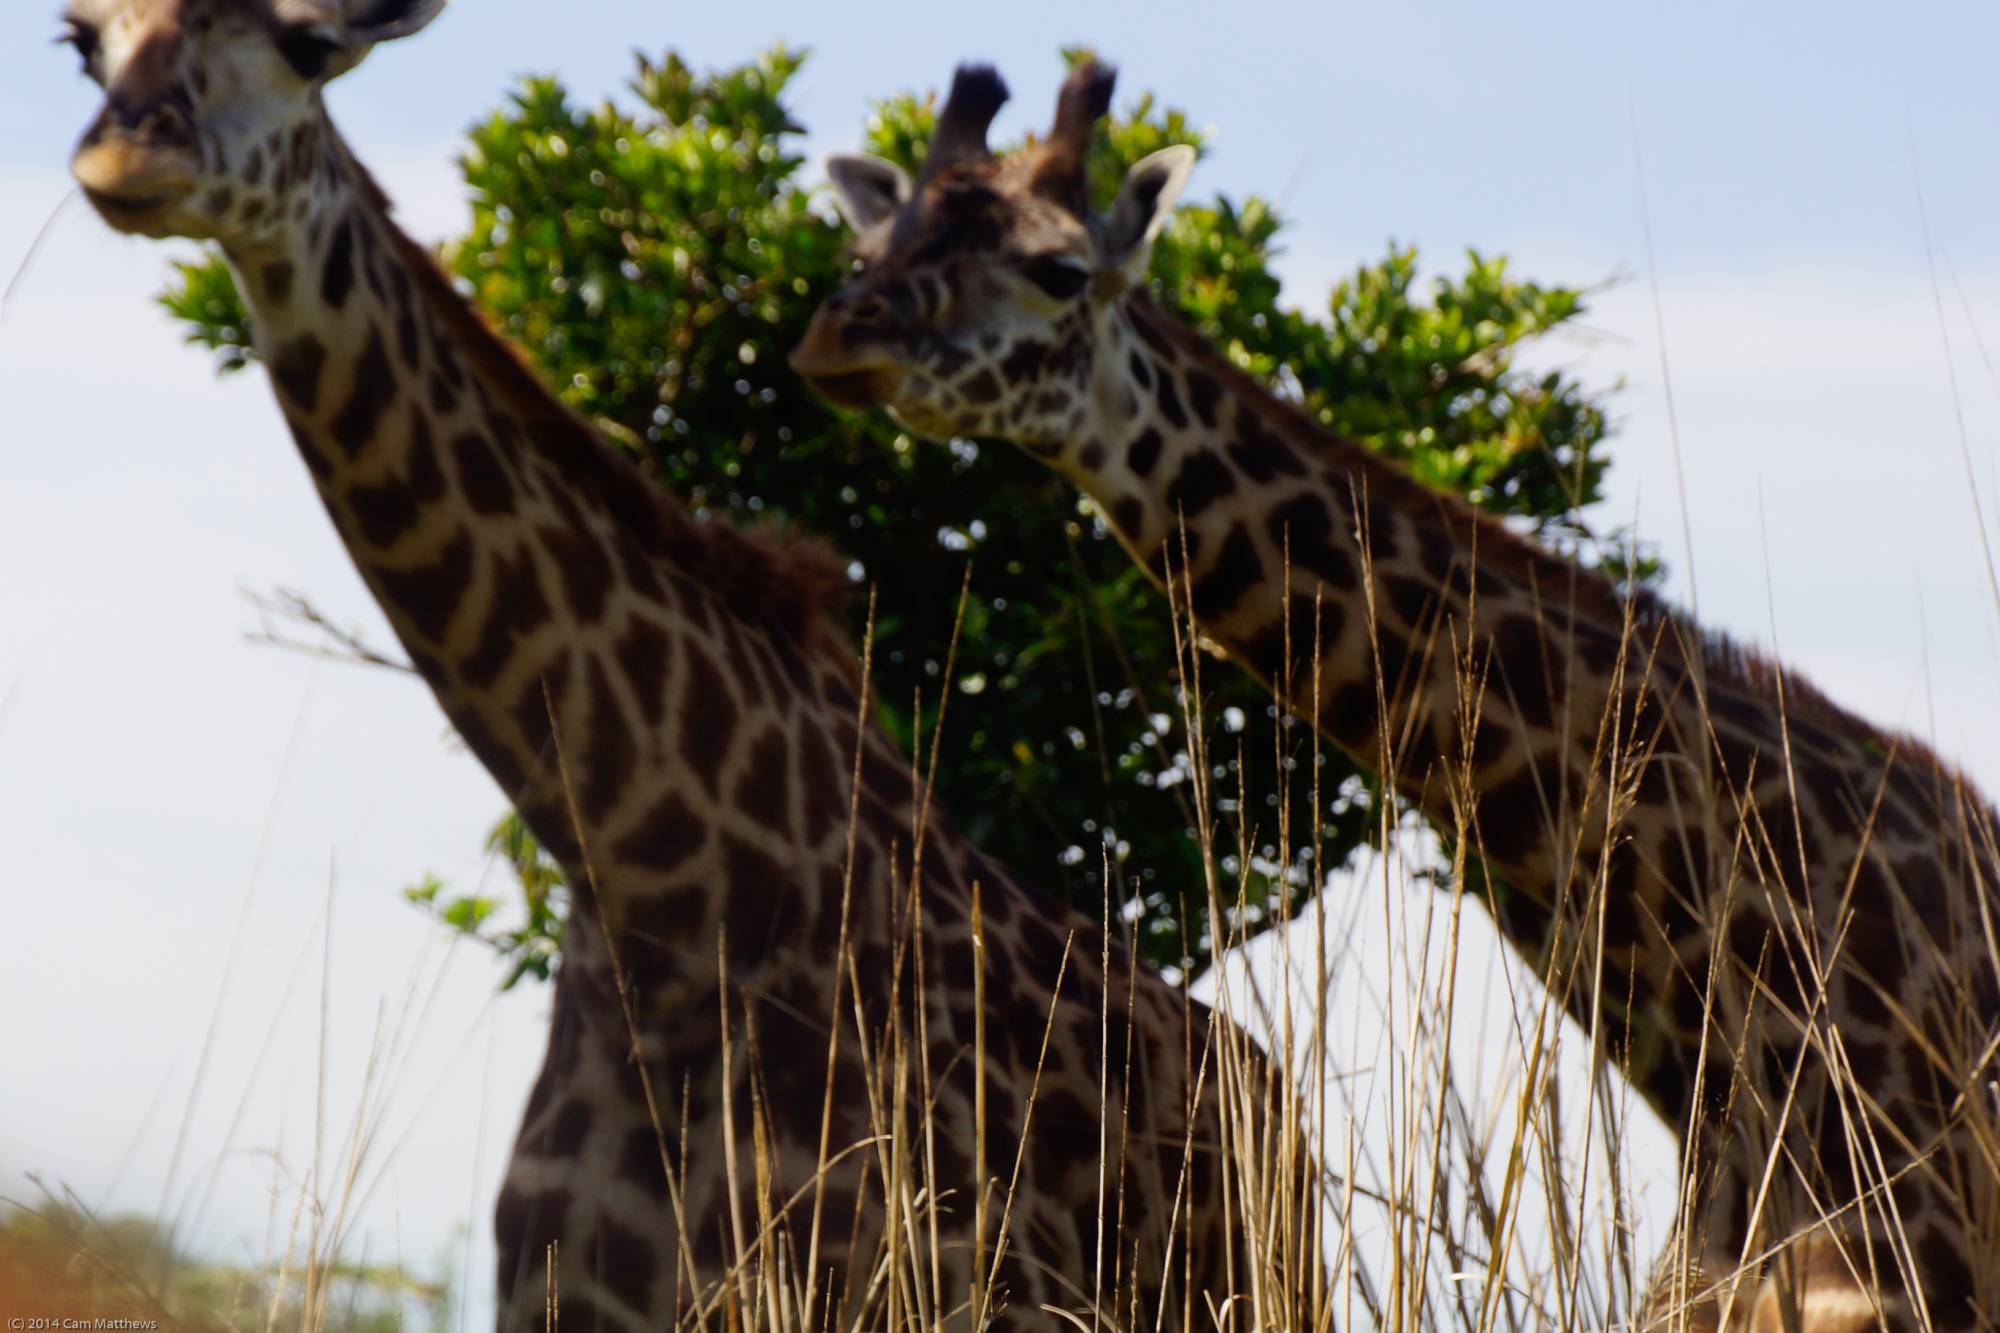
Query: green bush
{"type": "Point", "coordinates": [659, 257]}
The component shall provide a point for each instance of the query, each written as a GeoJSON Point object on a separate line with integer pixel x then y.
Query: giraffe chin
{"type": "Point", "coordinates": [138, 189]}
{"type": "Point", "coordinates": [921, 422]}
{"type": "Point", "coordinates": [147, 215]}
{"type": "Point", "coordinates": [857, 389]}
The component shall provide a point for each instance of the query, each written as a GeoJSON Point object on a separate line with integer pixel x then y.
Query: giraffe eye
{"type": "Point", "coordinates": [1061, 278]}
{"type": "Point", "coordinates": [83, 38]}
{"type": "Point", "coordinates": [307, 47]}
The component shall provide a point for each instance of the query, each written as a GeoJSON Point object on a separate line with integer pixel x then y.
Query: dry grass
{"type": "Point", "coordinates": [61, 1258]}
{"type": "Point", "coordinates": [1521, 1218]}
{"type": "Point", "coordinates": [1409, 1194]}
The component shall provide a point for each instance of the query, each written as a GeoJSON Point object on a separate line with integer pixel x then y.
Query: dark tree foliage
{"type": "Point", "coordinates": [659, 257]}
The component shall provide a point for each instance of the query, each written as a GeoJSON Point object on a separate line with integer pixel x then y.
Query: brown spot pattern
{"type": "Point", "coordinates": [428, 595]}
{"type": "Point", "coordinates": [295, 369]}
{"type": "Point", "coordinates": [1203, 479]}
{"type": "Point", "coordinates": [337, 277]}
{"type": "Point", "coordinates": [373, 391]}
{"type": "Point", "coordinates": [708, 715]}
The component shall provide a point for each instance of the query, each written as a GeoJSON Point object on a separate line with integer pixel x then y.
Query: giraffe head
{"type": "Point", "coordinates": [213, 125]}
{"type": "Point", "coordinates": [983, 284]}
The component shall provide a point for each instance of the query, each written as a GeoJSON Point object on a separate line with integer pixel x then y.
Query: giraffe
{"type": "Point", "coordinates": [1781, 917]}
{"type": "Point", "coordinates": [682, 725]}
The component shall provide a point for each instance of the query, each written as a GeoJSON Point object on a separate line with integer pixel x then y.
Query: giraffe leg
{"type": "Point", "coordinates": [1818, 1286]}
{"type": "Point", "coordinates": [1684, 1299]}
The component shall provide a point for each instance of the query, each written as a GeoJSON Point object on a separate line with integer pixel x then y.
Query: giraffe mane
{"type": "Point", "coordinates": [1723, 659]}
{"type": "Point", "coordinates": [795, 582]}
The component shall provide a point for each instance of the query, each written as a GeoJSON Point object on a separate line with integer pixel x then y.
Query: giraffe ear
{"type": "Point", "coordinates": [367, 22]}
{"type": "Point", "coordinates": [1144, 203]}
{"type": "Point", "coordinates": [867, 189]}
{"type": "Point", "coordinates": [324, 39]}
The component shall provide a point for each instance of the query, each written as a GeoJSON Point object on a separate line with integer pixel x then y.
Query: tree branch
{"type": "Point", "coordinates": [277, 608]}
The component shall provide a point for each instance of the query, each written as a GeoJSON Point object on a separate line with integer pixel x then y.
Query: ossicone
{"type": "Point", "coordinates": [1084, 100]}
{"type": "Point", "coordinates": [977, 94]}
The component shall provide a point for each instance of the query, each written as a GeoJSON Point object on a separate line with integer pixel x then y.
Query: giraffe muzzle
{"type": "Point", "coordinates": [130, 182]}
{"type": "Point", "coordinates": [851, 377]}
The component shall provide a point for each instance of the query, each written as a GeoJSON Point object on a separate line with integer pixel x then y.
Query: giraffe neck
{"type": "Point", "coordinates": [668, 710]}
{"type": "Point", "coordinates": [1189, 459]}
{"type": "Point", "coordinates": [616, 665]}
{"type": "Point", "coordinates": [1768, 909]}
{"type": "Point", "coordinates": [1581, 741]}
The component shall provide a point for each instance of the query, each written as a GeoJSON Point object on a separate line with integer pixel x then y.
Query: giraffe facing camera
{"type": "Point", "coordinates": [810, 1050]}
{"type": "Point", "coordinates": [982, 327]}
{"type": "Point", "coordinates": [173, 152]}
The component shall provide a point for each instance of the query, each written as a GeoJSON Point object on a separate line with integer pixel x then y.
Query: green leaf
{"type": "Point", "coordinates": [657, 256]}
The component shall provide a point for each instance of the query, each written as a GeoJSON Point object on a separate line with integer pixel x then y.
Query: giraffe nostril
{"type": "Point", "coordinates": [127, 112]}
{"type": "Point", "coordinates": [148, 123]}
{"type": "Point", "coordinates": [866, 318]}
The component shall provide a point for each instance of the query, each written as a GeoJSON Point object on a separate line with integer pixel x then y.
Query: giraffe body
{"type": "Point", "coordinates": [666, 703]}
{"type": "Point", "coordinates": [1797, 911]}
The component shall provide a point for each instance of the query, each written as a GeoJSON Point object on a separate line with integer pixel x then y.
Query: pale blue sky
{"type": "Point", "coordinates": [1447, 122]}
{"type": "Point", "coordinates": [144, 777]}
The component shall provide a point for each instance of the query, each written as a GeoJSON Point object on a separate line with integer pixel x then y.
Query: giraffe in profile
{"type": "Point", "coordinates": [1782, 917]}
{"type": "Point", "coordinates": [680, 723]}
